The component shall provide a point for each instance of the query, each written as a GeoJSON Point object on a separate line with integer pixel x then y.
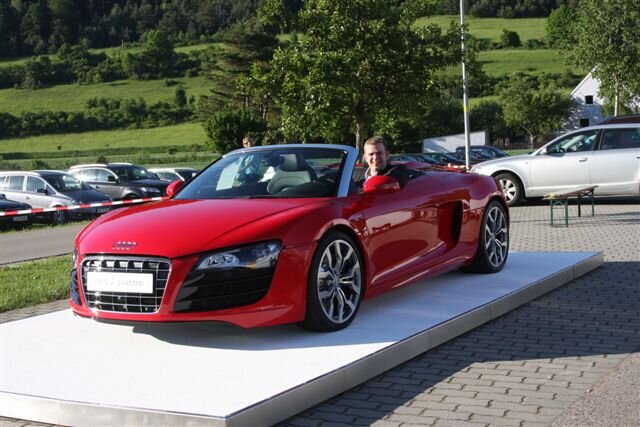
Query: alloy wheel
{"type": "Point", "coordinates": [339, 281]}
{"type": "Point", "coordinates": [496, 236]}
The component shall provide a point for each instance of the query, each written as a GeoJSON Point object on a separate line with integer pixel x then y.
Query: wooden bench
{"type": "Point", "coordinates": [561, 199]}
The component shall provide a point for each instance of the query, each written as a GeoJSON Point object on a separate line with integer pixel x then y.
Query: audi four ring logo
{"type": "Point", "coordinates": [123, 246]}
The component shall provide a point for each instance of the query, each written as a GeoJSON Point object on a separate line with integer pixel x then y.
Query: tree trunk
{"type": "Point", "coordinates": [360, 115]}
{"type": "Point", "coordinates": [360, 135]}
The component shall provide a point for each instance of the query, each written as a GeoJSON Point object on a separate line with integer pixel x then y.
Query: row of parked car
{"type": "Point", "coordinates": [606, 155]}
{"type": "Point", "coordinates": [451, 160]}
{"type": "Point", "coordinates": [81, 184]}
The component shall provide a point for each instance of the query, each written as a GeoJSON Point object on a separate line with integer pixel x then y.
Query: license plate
{"type": "Point", "coordinates": [102, 210]}
{"type": "Point", "coordinates": [137, 283]}
{"type": "Point", "coordinates": [20, 218]}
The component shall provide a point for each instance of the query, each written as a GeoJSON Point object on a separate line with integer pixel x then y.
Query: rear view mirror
{"type": "Point", "coordinates": [381, 184]}
{"type": "Point", "coordinates": [174, 187]}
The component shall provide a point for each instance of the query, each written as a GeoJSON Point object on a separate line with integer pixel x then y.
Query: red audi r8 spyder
{"type": "Point", "coordinates": [281, 234]}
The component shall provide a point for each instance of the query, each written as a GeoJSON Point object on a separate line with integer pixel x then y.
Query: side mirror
{"type": "Point", "coordinates": [42, 191]}
{"type": "Point", "coordinates": [112, 178]}
{"type": "Point", "coordinates": [381, 184]}
{"type": "Point", "coordinates": [174, 187]}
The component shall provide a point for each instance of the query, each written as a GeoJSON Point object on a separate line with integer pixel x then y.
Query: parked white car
{"type": "Point", "coordinates": [604, 155]}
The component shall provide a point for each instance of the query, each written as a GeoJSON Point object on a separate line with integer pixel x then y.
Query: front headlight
{"type": "Point", "coordinates": [257, 256]}
{"type": "Point", "coordinates": [150, 189]}
{"type": "Point", "coordinates": [74, 258]}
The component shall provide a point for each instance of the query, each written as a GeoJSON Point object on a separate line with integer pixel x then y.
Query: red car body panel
{"type": "Point", "coordinates": [403, 236]}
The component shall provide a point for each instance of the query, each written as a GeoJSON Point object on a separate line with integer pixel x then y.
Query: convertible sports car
{"type": "Point", "coordinates": [282, 234]}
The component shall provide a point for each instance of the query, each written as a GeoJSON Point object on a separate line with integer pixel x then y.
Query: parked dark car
{"type": "Point", "coordinates": [13, 220]}
{"type": "Point", "coordinates": [49, 189]}
{"type": "Point", "coordinates": [629, 118]}
{"type": "Point", "coordinates": [486, 151]}
{"type": "Point", "coordinates": [121, 180]}
{"type": "Point", "coordinates": [445, 159]}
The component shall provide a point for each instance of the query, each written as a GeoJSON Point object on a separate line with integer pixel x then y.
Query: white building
{"type": "Point", "coordinates": [588, 104]}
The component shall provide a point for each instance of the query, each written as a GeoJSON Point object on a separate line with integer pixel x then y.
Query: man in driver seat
{"type": "Point", "coordinates": [376, 155]}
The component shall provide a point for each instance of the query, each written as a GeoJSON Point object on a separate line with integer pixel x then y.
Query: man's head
{"type": "Point", "coordinates": [247, 142]}
{"type": "Point", "coordinates": [376, 154]}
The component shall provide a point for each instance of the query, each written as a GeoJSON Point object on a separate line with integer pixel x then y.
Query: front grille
{"type": "Point", "coordinates": [125, 302]}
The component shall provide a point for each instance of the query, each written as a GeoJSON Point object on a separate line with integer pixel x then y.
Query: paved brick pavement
{"type": "Point", "coordinates": [569, 358]}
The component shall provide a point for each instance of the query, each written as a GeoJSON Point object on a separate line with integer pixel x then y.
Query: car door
{"type": "Point", "coordinates": [105, 181]}
{"type": "Point", "coordinates": [13, 188]}
{"type": "Point", "coordinates": [402, 229]}
{"type": "Point", "coordinates": [563, 164]}
{"type": "Point", "coordinates": [35, 193]}
{"type": "Point", "coordinates": [615, 165]}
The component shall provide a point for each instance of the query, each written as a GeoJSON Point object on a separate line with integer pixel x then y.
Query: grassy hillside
{"type": "Point", "coordinates": [507, 61]}
{"type": "Point", "coordinates": [178, 145]}
{"type": "Point", "coordinates": [491, 28]}
{"type": "Point", "coordinates": [182, 134]}
{"type": "Point", "coordinates": [73, 97]}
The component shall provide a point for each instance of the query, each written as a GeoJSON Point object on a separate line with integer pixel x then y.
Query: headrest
{"type": "Point", "coordinates": [290, 163]}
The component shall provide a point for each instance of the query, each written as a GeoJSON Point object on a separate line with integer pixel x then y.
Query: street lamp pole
{"type": "Point", "coordinates": [465, 94]}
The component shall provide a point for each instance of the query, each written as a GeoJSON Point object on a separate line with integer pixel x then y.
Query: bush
{"type": "Point", "coordinates": [510, 39]}
{"type": "Point", "coordinates": [226, 129]}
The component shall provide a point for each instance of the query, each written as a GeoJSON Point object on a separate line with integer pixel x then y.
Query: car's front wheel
{"type": "Point", "coordinates": [335, 285]}
{"type": "Point", "coordinates": [511, 187]}
{"type": "Point", "coordinates": [493, 242]}
{"type": "Point", "coordinates": [58, 217]}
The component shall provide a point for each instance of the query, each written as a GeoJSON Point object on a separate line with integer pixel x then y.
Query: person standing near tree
{"type": "Point", "coordinates": [247, 142]}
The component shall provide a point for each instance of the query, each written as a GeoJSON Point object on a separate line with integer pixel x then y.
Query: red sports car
{"type": "Point", "coordinates": [281, 234]}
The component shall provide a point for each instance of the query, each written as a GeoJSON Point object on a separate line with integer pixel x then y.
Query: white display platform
{"type": "Point", "coordinates": [64, 369]}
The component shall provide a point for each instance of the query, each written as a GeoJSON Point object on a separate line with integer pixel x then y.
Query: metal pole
{"type": "Point", "coordinates": [465, 94]}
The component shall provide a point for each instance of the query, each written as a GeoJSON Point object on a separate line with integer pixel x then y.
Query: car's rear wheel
{"type": "Point", "coordinates": [335, 284]}
{"type": "Point", "coordinates": [493, 243]}
{"type": "Point", "coordinates": [511, 187]}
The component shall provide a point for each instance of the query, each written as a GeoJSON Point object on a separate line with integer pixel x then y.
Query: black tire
{"type": "Point", "coordinates": [335, 285]}
{"type": "Point", "coordinates": [58, 217]}
{"type": "Point", "coordinates": [511, 187]}
{"type": "Point", "coordinates": [493, 243]}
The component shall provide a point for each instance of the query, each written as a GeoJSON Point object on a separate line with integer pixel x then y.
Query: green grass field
{"type": "Point", "coordinates": [508, 61]}
{"type": "Point", "coordinates": [73, 97]}
{"type": "Point", "coordinates": [30, 283]}
{"type": "Point", "coordinates": [491, 28]}
{"type": "Point", "coordinates": [182, 134]}
{"type": "Point", "coordinates": [139, 141]}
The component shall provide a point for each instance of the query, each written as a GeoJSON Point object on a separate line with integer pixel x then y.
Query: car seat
{"type": "Point", "coordinates": [292, 171]}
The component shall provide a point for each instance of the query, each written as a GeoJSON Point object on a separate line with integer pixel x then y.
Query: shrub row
{"type": "Point", "coordinates": [101, 114]}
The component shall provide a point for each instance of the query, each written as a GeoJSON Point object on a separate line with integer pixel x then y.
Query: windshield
{"type": "Point", "coordinates": [269, 172]}
{"type": "Point", "coordinates": [64, 183]}
{"type": "Point", "coordinates": [132, 173]}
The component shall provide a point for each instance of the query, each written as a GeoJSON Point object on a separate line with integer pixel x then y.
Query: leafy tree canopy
{"type": "Point", "coordinates": [533, 106]}
{"type": "Point", "coordinates": [355, 60]}
{"type": "Point", "coordinates": [607, 41]}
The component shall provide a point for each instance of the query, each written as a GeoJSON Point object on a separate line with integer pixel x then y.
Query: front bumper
{"type": "Point", "coordinates": [183, 296]}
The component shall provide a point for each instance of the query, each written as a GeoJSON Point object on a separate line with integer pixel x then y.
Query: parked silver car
{"type": "Point", "coordinates": [605, 155]}
{"type": "Point", "coordinates": [48, 189]}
